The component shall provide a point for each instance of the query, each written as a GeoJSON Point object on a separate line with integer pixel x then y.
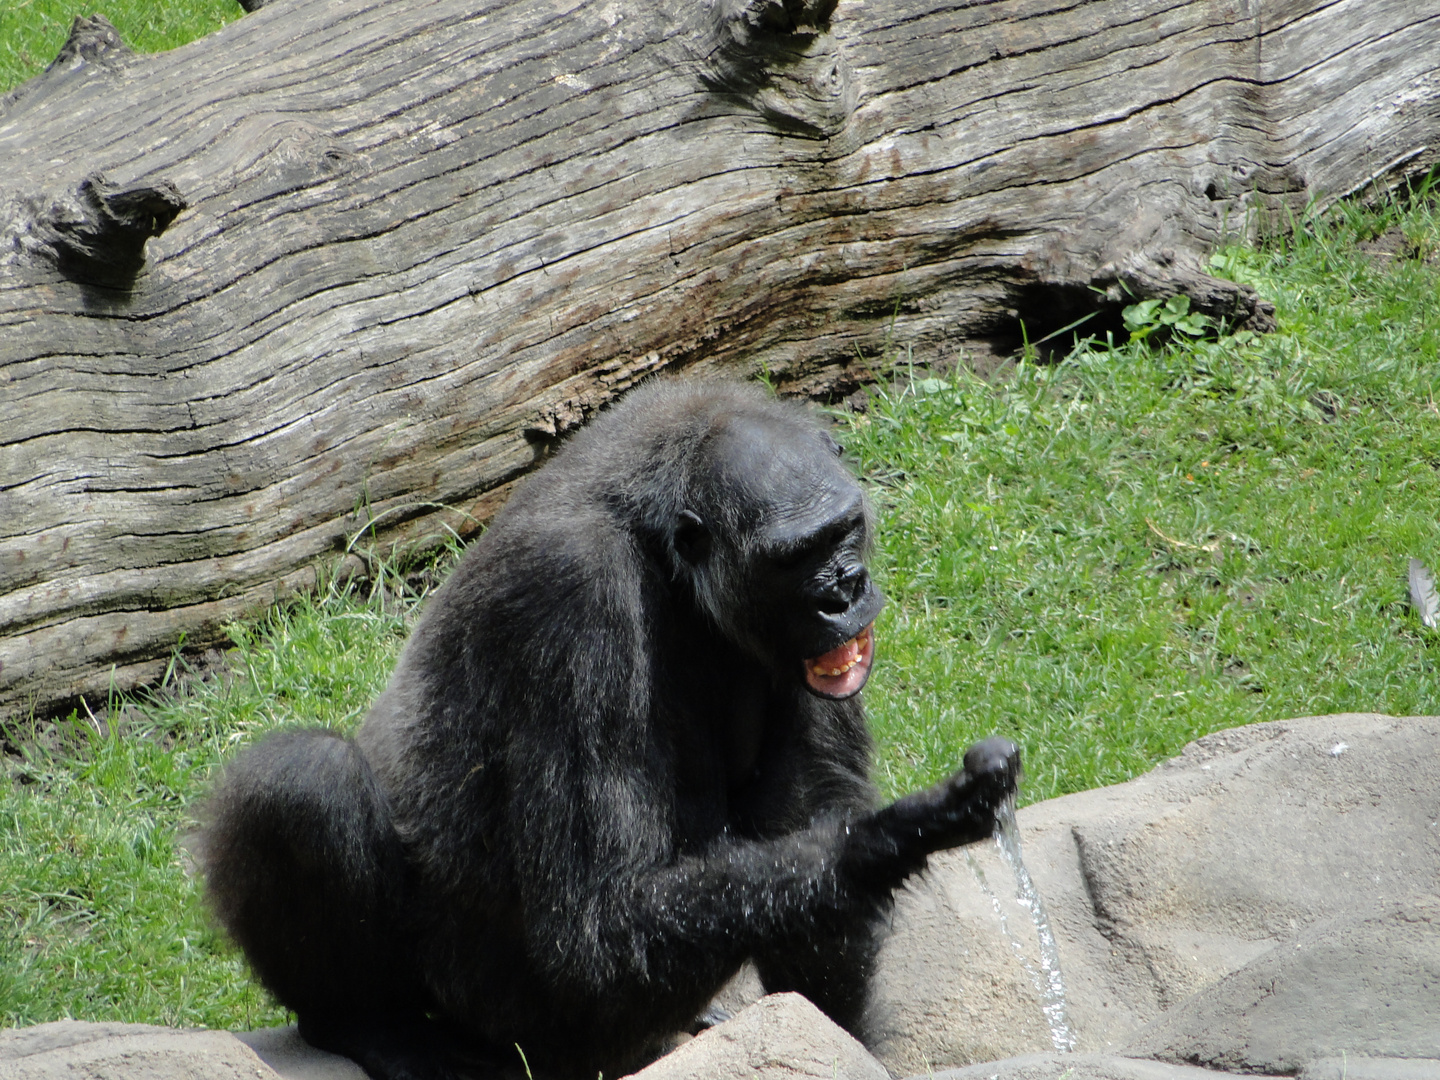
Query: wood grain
{"type": "Point", "coordinates": [415, 241]}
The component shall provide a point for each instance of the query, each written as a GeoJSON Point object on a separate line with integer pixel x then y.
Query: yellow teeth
{"type": "Point", "coordinates": [854, 649]}
{"type": "Point", "coordinates": [835, 671]}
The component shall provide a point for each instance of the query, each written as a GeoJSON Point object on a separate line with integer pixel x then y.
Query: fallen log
{"type": "Point", "coordinates": [358, 265]}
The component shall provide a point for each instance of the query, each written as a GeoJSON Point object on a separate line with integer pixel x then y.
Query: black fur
{"type": "Point", "coordinates": [596, 783]}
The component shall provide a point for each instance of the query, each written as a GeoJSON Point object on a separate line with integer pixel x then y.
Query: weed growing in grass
{"type": "Point", "coordinates": [32, 31]}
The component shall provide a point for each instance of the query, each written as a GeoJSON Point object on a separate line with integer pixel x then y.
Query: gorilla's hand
{"type": "Point", "coordinates": [961, 810]}
{"type": "Point", "coordinates": [994, 761]}
{"type": "Point", "coordinates": [893, 843]}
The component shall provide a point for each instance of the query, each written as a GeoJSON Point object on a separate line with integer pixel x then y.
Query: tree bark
{"type": "Point", "coordinates": [360, 263]}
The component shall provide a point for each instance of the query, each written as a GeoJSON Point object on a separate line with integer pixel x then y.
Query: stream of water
{"type": "Point", "coordinates": [1047, 979]}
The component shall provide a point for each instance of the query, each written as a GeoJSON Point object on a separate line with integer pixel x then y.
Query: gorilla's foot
{"type": "Point", "coordinates": [396, 1049]}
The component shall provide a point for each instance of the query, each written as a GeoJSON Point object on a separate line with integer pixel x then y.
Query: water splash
{"type": "Point", "coordinates": [1047, 979]}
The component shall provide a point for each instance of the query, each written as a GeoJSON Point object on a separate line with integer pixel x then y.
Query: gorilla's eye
{"type": "Point", "coordinates": [846, 533]}
{"type": "Point", "coordinates": [692, 538]}
{"type": "Point", "coordinates": [790, 558]}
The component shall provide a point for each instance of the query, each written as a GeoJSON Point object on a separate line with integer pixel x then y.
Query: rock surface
{"type": "Point", "coordinates": [294, 1059]}
{"type": "Point", "coordinates": [1371, 1068]}
{"type": "Point", "coordinates": [780, 1037]}
{"type": "Point", "coordinates": [73, 1050]}
{"type": "Point", "coordinates": [1353, 982]}
{"type": "Point", "coordinates": [1079, 1066]}
{"type": "Point", "coordinates": [1160, 888]}
{"type": "Point", "coordinates": [1083, 1066]}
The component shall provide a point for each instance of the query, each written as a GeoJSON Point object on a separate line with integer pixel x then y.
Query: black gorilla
{"type": "Point", "coordinates": [621, 754]}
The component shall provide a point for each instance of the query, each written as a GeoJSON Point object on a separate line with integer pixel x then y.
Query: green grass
{"type": "Point", "coordinates": [32, 31]}
{"type": "Point", "coordinates": [99, 919]}
{"type": "Point", "coordinates": [1122, 552]}
{"type": "Point", "coordinates": [1105, 558]}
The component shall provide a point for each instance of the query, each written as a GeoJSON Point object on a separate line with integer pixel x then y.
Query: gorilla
{"type": "Point", "coordinates": [622, 753]}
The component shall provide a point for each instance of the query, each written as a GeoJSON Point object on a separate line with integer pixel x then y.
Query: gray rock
{"type": "Point", "coordinates": [954, 983]}
{"type": "Point", "coordinates": [293, 1058]}
{"type": "Point", "coordinates": [1159, 888]}
{"type": "Point", "coordinates": [1057, 1066]}
{"type": "Point", "coordinates": [1371, 1068]}
{"type": "Point", "coordinates": [780, 1037]}
{"type": "Point", "coordinates": [1355, 984]}
{"type": "Point", "coordinates": [743, 990]}
{"type": "Point", "coordinates": [74, 1050]}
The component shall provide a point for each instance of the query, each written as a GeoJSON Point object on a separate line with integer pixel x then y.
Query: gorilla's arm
{"type": "Point", "coordinates": [639, 925]}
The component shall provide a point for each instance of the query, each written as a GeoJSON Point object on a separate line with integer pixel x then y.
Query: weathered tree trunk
{"type": "Point", "coordinates": [356, 261]}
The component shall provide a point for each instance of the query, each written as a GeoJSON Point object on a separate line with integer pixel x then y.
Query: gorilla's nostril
{"type": "Point", "coordinates": [854, 582]}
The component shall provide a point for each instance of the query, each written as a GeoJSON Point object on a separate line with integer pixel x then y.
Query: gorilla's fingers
{"type": "Point", "coordinates": [998, 757]}
{"type": "Point", "coordinates": [894, 843]}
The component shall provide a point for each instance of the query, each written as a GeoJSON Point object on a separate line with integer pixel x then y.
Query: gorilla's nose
{"type": "Point", "coordinates": [852, 583]}
{"type": "Point", "coordinates": [848, 588]}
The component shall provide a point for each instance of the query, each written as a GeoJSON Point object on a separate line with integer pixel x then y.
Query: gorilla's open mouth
{"type": "Point", "coordinates": [841, 672]}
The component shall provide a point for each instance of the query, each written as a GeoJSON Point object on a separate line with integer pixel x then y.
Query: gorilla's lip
{"type": "Point", "coordinates": [841, 672]}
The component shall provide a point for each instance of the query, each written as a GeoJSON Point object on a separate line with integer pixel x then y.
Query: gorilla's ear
{"type": "Point", "coordinates": [692, 538]}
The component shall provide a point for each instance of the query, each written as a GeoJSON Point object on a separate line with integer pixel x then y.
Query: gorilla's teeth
{"type": "Point", "coordinates": [818, 670]}
{"type": "Point", "coordinates": [849, 654]}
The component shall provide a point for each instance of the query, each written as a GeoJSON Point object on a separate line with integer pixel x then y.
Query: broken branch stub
{"type": "Point", "coordinates": [98, 236]}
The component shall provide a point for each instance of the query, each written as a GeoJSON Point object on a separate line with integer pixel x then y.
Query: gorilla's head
{"type": "Point", "coordinates": [773, 536]}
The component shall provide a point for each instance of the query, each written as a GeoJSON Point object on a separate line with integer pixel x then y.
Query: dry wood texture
{"type": "Point", "coordinates": [363, 259]}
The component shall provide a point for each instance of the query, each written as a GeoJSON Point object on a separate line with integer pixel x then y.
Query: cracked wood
{"type": "Point", "coordinates": [366, 260]}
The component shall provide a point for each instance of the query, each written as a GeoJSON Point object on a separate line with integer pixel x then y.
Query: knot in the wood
{"type": "Point", "coordinates": [92, 40]}
{"type": "Point", "coordinates": [612, 378]}
{"type": "Point", "coordinates": [1252, 313]}
{"type": "Point", "coordinates": [780, 56]}
{"type": "Point", "coordinates": [769, 17]}
{"type": "Point", "coordinates": [557, 419]}
{"type": "Point", "coordinates": [99, 238]}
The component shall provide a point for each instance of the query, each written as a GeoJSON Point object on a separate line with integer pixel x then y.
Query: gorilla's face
{"type": "Point", "coordinates": [777, 538]}
{"type": "Point", "coordinates": [827, 601]}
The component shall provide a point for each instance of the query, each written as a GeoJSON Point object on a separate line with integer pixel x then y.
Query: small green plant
{"type": "Point", "coordinates": [1152, 316]}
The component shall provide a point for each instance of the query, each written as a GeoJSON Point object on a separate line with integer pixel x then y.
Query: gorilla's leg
{"type": "Point", "coordinates": [831, 969]}
{"type": "Point", "coordinates": [306, 872]}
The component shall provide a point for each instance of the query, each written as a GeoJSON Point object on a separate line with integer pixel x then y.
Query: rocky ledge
{"type": "Point", "coordinates": [1267, 903]}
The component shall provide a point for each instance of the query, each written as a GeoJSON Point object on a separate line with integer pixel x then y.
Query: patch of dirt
{"type": "Point", "coordinates": [1394, 244]}
{"type": "Point", "coordinates": [26, 744]}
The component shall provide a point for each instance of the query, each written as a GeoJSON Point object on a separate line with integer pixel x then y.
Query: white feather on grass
{"type": "Point", "coordinates": [1422, 594]}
